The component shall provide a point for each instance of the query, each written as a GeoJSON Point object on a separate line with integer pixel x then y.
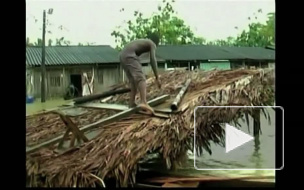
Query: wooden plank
{"type": "Point", "coordinates": [77, 133]}
{"type": "Point", "coordinates": [183, 184]}
{"type": "Point", "coordinates": [72, 142]}
{"type": "Point", "coordinates": [65, 136]}
{"type": "Point", "coordinates": [70, 127]}
{"type": "Point", "coordinates": [84, 99]}
{"type": "Point", "coordinates": [73, 112]}
{"type": "Point", "coordinates": [125, 113]}
{"type": "Point", "coordinates": [113, 118]}
{"type": "Point", "coordinates": [146, 185]}
{"type": "Point", "coordinates": [120, 107]}
{"type": "Point", "coordinates": [117, 107]}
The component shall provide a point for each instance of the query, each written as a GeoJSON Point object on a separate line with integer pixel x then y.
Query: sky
{"type": "Point", "coordinates": [93, 20]}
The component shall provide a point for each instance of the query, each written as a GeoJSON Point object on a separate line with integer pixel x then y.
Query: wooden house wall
{"type": "Point", "coordinates": [58, 78]}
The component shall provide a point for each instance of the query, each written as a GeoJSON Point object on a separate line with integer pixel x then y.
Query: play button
{"type": "Point", "coordinates": [235, 138]}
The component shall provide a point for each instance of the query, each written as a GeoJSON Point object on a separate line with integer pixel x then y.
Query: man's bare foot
{"type": "Point", "coordinates": [147, 108]}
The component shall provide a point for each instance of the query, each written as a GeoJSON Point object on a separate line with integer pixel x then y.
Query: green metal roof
{"type": "Point", "coordinates": [192, 52]}
{"type": "Point", "coordinates": [64, 55]}
{"type": "Point", "coordinates": [207, 52]}
{"type": "Point", "coordinates": [145, 58]}
{"type": "Point", "coordinates": [253, 53]}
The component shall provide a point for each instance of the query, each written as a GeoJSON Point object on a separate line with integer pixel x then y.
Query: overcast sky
{"type": "Point", "coordinates": [94, 20]}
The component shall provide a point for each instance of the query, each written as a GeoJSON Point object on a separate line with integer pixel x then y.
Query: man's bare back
{"type": "Point", "coordinates": [129, 58]}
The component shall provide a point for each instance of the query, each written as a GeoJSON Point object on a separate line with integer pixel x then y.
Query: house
{"type": "Point", "coordinates": [207, 57]}
{"type": "Point", "coordinates": [250, 57]}
{"type": "Point", "coordinates": [66, 64]}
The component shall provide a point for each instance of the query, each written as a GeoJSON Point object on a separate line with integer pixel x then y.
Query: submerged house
{"type": "Point", "coordinates": [66, 64]}
{"type": "Point", "coordinates": [206, 57]}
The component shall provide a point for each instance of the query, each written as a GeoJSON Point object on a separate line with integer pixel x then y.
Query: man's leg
{"type": "Point", "coordinates": [142, 87]}
{"type": "Point", "coordinates": [132, 84]}
{"type": "Point", "coordinates": [132, 93]}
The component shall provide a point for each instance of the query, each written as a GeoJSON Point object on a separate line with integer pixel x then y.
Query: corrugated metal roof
{"type": "Point", "coordinates": [145, 58]}
{"type": "Point", "coordinates": [194, 52]}
{"type": "Point", "coordinates": [254, 53]}
{"type": "Point", "coordinates": [206, 52]}
{"type": "Point", "coordinates": [191, 52]}
{"type": "Point", "coordinates": [62, 55]}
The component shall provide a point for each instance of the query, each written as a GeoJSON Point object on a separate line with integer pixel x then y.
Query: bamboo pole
{"type": "Point", "coordinates": [179, 97]}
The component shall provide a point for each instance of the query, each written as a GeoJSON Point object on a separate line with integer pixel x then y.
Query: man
{"type": "Point", "coordinates": [129, 59]}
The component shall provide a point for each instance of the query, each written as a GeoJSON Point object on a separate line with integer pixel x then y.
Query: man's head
{"type": "Point", "coordinates": [154, 37]}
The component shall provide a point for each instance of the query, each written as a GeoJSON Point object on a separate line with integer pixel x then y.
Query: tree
{"type": "Point", "coordinates": [258, 34]}
{"type": "Point", "coordinates": [230, 41]}
{"type": "Point", "coordinates": [165, 22]}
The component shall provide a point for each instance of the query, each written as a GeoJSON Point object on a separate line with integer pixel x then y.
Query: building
{"type": "Point", "coordinates": [251, 57]}
{"type": "Point", "coordinates": [66, 64]}
{"type": "Point", "coordinates": [207, 57]}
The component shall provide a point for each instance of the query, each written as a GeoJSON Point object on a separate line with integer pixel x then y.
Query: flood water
{"type": "Point", "coordinates": [49, 104]}
{"type": "Point", "coordinates": [259, 153]}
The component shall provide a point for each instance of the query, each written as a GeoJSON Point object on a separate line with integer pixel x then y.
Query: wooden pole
{"type": "Point", "coordinates": [179, 97]}
{"type": "Point", "coordinates": [85, 99]}
{"type": "Point", "coordinates": [43, 60]}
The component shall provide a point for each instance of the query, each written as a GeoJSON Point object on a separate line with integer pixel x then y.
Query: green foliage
{"type": "Point", "coordinates": [258, 35]}
{"type": "Point", "coordinates": [165, 22]}
{"type": "Point", "coordinates": [173, 30]}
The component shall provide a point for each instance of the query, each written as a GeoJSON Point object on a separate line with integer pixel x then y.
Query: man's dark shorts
{"type": "Point", "coordinates": [133, 69]}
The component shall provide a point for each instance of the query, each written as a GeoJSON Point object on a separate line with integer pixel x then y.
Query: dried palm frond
{"type": "Point", "coordinates": [116, 151]}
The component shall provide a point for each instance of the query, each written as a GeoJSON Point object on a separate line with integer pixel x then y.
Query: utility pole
{"type": "Point", "coordinates": [43, 60]}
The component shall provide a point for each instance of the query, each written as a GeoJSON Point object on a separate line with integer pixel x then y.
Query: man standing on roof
{"type": "Point", "coordinates": [129, 59]}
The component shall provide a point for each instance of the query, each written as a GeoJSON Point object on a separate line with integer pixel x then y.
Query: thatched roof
{"type": "Point", "coordinates": [43, 127]}
{"type": "Point", "coordinates": [115, 152]}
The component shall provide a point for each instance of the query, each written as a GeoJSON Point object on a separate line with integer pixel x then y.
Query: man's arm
{"type": "Point", "coordinates": [153, 60]}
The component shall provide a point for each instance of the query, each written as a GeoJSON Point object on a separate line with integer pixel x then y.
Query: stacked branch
{"type": "Point", "coordinates": [116, 151]}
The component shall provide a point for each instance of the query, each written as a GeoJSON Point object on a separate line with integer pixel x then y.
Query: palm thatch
{"type": "Point", "coordinates": [44, 126]}
{"type": "Point", "coordinates": [116, 151]}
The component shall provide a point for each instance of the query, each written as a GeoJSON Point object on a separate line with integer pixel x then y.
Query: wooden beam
{"type": "Point", "coordinates": [179, 97]}
{"type": "Point", "coordinates": [71, 127]}
{"type": "Point", "coordinates": [118, 107]}
{"type": "Point", "coordinates": [65, 136]}
{"type": "Point", "coordinates": [105, 121]}
{"type": "Point", "coordinates": [84, 99]}
{"type": "Point", "coordinates": [125, 113]}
